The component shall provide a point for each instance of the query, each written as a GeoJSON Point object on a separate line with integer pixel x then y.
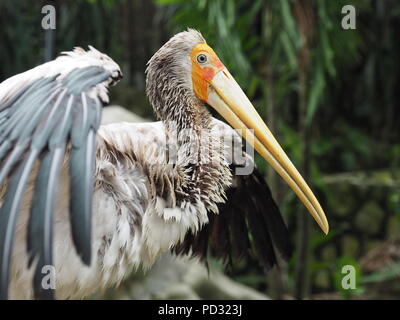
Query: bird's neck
{"type": "Point", "coordinates": [197, 150]}
{"type": "Point", "coordinates": [192, 146]}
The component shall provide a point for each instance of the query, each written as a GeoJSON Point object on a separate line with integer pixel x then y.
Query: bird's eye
{"type": "Point", "coordinates": [201, 58]}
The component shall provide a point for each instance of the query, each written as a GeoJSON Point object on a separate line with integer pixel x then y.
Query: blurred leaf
{"type": "Point", "coordinates": [394, 203]}
{"type": "Point", "coordinates": [316, 92]}
{"type": "Point", "coordinates": [167, 2]}
{"type": "Point", "coordinates": [289, 22]}
{"type": "Point", "coordinates": [321, 239]}
{"type": "Point", "coordinates": [385, 274]}
{"type": "Point", "coordinates": [289, 50]}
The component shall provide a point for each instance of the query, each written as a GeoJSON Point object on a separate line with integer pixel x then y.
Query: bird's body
{"type": "Point", "coordinates": [95, 212]}
{"type": "Point", "coordinates": [132, 223]}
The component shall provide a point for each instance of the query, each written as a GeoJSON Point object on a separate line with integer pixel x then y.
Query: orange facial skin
{"type": "Point", "coordinates": [203, 73]}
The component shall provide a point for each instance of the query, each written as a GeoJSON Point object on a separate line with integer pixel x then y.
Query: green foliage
{"type": "Point", "coordinates": [388, 273]}
{"type": "Point", "coordinates": [394, 202]}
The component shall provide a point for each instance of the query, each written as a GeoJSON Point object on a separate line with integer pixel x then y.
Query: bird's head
{"type": "Point", "coordinates": [186, 74]}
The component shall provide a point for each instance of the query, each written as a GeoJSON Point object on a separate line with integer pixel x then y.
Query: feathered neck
{"type": "Point", "coordinates": [193, 145]}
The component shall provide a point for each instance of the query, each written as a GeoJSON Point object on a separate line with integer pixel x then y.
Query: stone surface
{"type": "Point", "coordinates": [181, 278]}
{"type": "Point", "coordinates": [329, 254]}
{"type": "Point", "coordinates": [114, 113]}
{"type": "Point", "coordinates": [322, 279]}
{"type": "Point", "coordinates": [393, 227]}
{"type": "Point", "coordinates": [341, 200]}
{"type": "Point", "coordinates": [369, 218]}
{"type": "Point", "coordinates": [350, 246]}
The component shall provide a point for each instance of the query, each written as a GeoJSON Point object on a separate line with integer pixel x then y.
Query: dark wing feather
{"type": "Point", "coordinates": [81, 169]}
{"type": "Point", "coordinates": [272, 218]}
{"type": "Point", "coordinates": [249, 223]}
{"type": "Point", "coordinates": [36, 125]}
{"type": "Point", "coordinates": [83, 152]}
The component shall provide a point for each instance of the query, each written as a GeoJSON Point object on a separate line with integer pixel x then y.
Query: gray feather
{"type": "Point", "coordinates": [39, 120]}
{"type": "Point", "coordinates": [26, 92]}
{"type": "Point", "coordinates": [13, 158]}
{"type": "Point", "coordinates": [81, 188]}
{"type": "Point", "coordinates": [42, 133]}
{"type": "Point", "coordinates": [27, 127]}
{"type": "Point", "coordinates": [4, 147]}
{"type": "Point", "coordinates": [23, 108]}
{"type": "Point", "coordinates": [81, 80]}
{"type": "Point", "coordinates": [8, 218]}
{"type": "Point", "coordinates": [40, 232]}
{"type": "Point", "coordinates": [62, 130]}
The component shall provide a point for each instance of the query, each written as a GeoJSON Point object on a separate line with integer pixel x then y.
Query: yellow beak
{"type": "Point", "coordinates": [229, 100]}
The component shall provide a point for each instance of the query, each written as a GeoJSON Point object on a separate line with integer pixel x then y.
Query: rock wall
{"type": "Point", "coordinates": [363, 209]}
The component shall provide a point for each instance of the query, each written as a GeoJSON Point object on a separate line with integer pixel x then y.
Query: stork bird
{"type": "Point", "coordinates": [89, 204]}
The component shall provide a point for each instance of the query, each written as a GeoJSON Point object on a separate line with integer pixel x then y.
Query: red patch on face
{"type": "Point", "coordinates": [202, 75]}
{"type": "Point", "coordinates": [218, 63]}
{"type": "Point", "coordinates": [208, 74]}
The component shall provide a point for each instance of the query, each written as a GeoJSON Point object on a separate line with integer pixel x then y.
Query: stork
{"type": "Point", "coordinates": [96, 202]}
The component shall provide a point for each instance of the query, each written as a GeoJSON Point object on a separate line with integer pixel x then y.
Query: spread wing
{"type": "Point", "coordinates": [249, 223]}
{"type": "Point", "coordinates": [46, 112]}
